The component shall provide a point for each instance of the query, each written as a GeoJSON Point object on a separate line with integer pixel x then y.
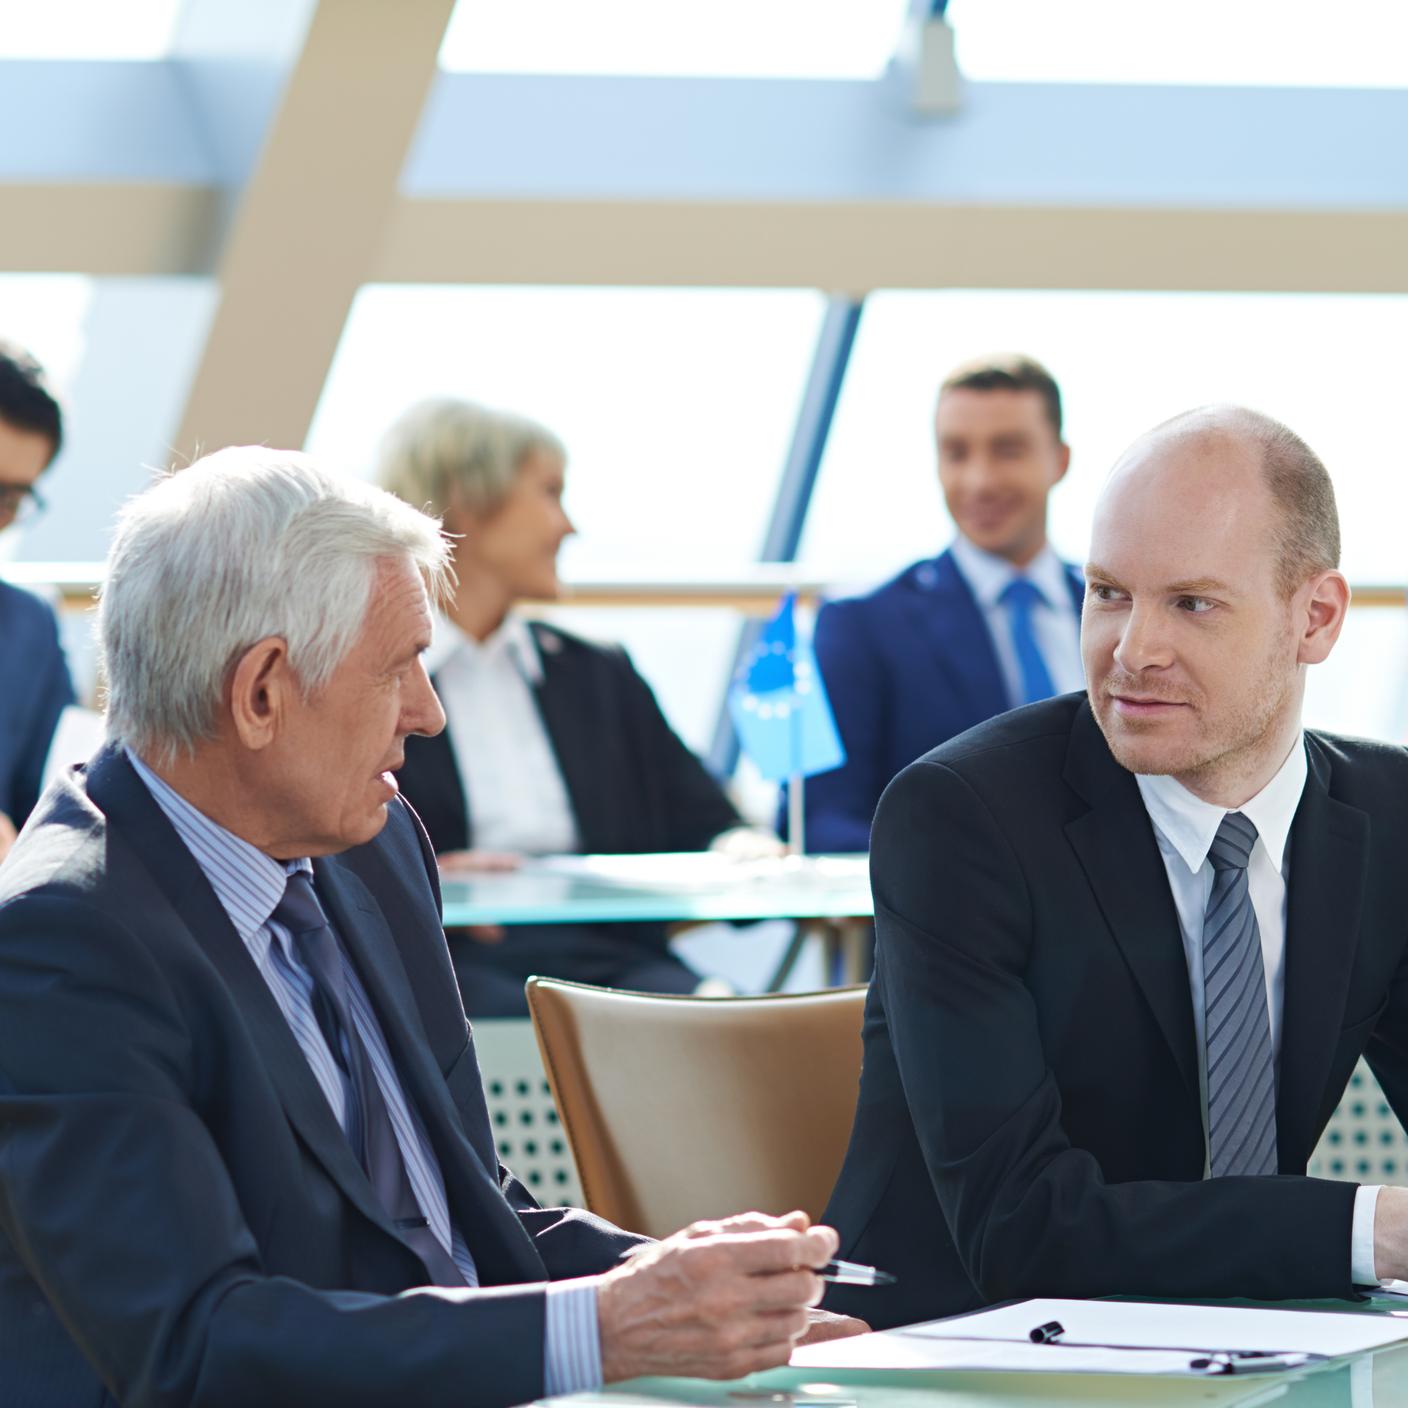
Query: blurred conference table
{"type": "Point", "coordinates": [827, 897]}
{"type": "Point", "coordinates": [1375, 1379]}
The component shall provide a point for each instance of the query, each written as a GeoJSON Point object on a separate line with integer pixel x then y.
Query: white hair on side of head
{"type": "Point", "coordinates": [245, 544]}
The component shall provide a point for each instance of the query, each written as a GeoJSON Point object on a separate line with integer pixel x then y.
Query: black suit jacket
{"type": "Point", "coordinates": [1030, 1120]}
{"type": "Point", "coordinates": [633, 786]}
{"type": "Point", "coordinates": [181, 1219]}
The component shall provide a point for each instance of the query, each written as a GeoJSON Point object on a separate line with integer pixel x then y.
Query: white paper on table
{"type": "Point", "coordinates": [895, 1350]}
{"type": "Point", "coordinates": [1391, 1288]}
{"type": "Point", "coordinates": [998, 1339]}
{"type": "Point", "coordinates": [691, 871]}
{"type": "Point", "coordinates": [684, 872]}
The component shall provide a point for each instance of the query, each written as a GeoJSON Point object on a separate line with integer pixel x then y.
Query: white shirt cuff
{"type": "Point", "coordinates": [571, 1342]}
{"type": "Point", "coordinates": [1362, 1271]}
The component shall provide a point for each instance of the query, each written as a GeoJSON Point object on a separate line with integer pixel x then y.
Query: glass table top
{"type": "Point", "coordinates": [693, 885]}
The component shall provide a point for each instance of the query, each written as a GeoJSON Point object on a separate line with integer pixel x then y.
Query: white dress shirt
{"type": "Point", "coordinates": [1055, 620]}
{"type": "Point", "coordinates": [514, 793]}
{"type": "Point", "coordinates": [1185, 826]}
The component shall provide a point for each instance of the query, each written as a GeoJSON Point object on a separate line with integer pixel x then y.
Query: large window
{"type": "Point", "coordinates": [1352, 43]}
{"type": "Point", "coordinates": [45, 313]}
{"type": "Point", "coordinates": [737, 38]}
{"type": "Point", "coordinates": [676, 405]}
{"type": "Point", "coordinates": [677, 408]}
{"type": "Point", "coordinates": [1331, 366]}
{"type": "Point", "coordinates": [86, 29]}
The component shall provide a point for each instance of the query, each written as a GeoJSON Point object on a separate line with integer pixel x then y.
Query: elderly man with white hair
{"type": "Point", "coordinates": [244, 1153]}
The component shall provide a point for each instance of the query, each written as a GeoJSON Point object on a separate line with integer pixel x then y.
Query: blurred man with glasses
{"type": "Point", "coordinates": [34, 680]}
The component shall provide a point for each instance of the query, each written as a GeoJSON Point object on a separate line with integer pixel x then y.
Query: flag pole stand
{"type": "Point", "coordinates": [796, 817]}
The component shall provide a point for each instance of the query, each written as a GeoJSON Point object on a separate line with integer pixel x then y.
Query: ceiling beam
{"type": "Point", "coordinates": [310, 221]}
{"type": "Point", "coordinates": [109, 230]}
{"type": "Point", "coordinates": [199, 119]}
{"type": "Point", "coordinates": [855, 247]}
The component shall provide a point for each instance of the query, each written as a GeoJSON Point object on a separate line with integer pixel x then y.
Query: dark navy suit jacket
{"type": "Point", "coordinates": [34, 688]}
{"type": "Point", "coordinates": [182, 1221]}
{"type": "Point", "coordinates": [907, 667]}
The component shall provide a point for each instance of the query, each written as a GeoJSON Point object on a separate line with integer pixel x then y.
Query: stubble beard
{"type": "Point", "coordinates": [1217, 749]}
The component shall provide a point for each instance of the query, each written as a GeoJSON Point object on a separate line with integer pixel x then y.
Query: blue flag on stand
{"type": "Point", "coordinates": [779, 704]}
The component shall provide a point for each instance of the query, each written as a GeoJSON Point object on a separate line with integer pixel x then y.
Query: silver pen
{"type": "Point", "coordinates": [850, 1273]}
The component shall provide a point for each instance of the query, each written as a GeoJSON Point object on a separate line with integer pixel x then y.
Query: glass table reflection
{"type": "Point", "coordinates": [827, 896]}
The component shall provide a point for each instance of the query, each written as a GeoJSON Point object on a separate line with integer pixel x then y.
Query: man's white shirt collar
{"type": "Point", "coordinates": [1190, 824]}
{"type": "Point", "coordinates": [513, 639]}
{"type": "Point", "coordinates": [989, 575]}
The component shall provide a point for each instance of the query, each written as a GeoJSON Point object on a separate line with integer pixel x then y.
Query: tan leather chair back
{"type": "Point", "coordinates": [680, 1108]}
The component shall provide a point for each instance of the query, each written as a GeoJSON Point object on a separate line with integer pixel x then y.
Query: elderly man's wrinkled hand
{"type": "Point", "coordinates": [718, 1300]}
{"type": "Point", "coordinates": [477, 862]}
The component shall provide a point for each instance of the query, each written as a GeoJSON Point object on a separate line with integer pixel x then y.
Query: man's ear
{"type": "Point", "coordinates": [262, 690]}
{"type": "Point", "coordinates": [1063, 462]}
{"type": "Point", "coordinates": [1326, 605]}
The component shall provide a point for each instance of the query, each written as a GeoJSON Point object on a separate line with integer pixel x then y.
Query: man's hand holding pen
{"type": "Point", "coordinates": [718, 1300]}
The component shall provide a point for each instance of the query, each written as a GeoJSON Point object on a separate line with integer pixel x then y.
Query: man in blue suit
{"type": "Point", "coordinates": [34, 681]}
{"type": "Point", "coordinates": [991, 623]}
{"type": "Point", "coordinates": [244, 1151]}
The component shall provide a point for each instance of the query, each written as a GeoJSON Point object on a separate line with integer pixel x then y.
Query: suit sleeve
{"type": "Point", "coordinates": [694, 807]}
{"type": "Point", "coordinates": [1030, 1213]}
{"type": "Point", "coordinates": [1387, 1049]}
{"type": "Point", "coordinates": [118, 1203]}
{"type": "Point", "coordinates": [841, 803]}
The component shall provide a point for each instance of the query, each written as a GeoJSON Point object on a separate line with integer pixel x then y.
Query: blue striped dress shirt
{"type": "Point", "coordinates": [249, 886]}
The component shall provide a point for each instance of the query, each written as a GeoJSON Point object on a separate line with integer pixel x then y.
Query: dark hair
{"type": "Point", "coordinates": [26, 402]}
{"type": "Point", "coordinates": [1008, 371]}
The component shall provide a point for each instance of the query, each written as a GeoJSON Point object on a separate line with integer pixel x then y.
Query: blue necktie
{"type": "Point", "coordinates": [370, 1131]}
{"type": "Point", "coordinates": [1237, 1026]}
{"type": "Point", "coordinates": [1019, 597]}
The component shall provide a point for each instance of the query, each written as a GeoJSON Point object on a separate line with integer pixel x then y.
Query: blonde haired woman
{"type": "Point", "coordinates": [554, 744]}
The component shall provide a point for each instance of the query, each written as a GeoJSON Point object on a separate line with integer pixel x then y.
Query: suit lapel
{"type": "Point", "coordinates": [131, 809]}
{"type": "Point", "coordinates": [948, 615]}
{"type": "Point", "coordinates": [1329, 862]}
{"type": "Point", "coordinates": [1115, 844]}
{"type": "Point", "coordinates": [502, 1250]}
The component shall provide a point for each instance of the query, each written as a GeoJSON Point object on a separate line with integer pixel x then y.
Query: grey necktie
{"type": "Point", "coordinates": [369, 1128]}
{"type": "Point", "coordinates": [1237, 1032]}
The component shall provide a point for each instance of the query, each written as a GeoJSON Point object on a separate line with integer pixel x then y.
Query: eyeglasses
{"type": "Point", "coordinates": [19, 503]}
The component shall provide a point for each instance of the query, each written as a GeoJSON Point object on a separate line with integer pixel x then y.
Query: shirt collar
{"type": "Point", "coordinates": [248, 883]}
{"type": "Point", "coordinates": [513, 639]}
{"type": "Point", "coordinates": [1190, 824]}
{"type": "Point", "coordinates": [989, 575]}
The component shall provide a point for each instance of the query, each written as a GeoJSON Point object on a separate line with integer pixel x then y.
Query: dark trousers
{"type": "Point", "coordinates": [632, 956]}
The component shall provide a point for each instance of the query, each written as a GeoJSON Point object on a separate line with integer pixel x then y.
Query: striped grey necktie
{"type": "Point", "coordinates": [1237, 1031]}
